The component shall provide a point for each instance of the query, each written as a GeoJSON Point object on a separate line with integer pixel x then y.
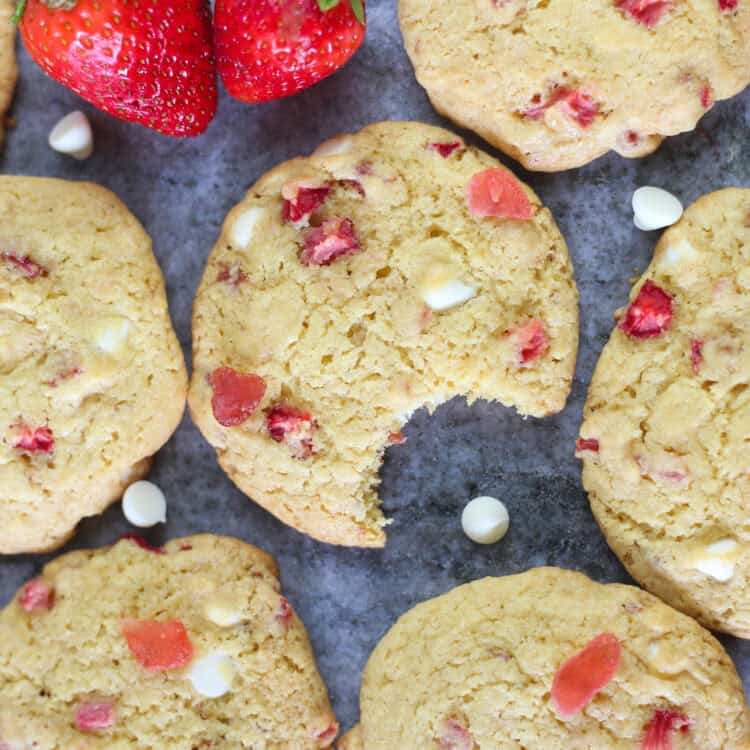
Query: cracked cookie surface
{"type": "Point", "coordinates": [482, 666]}
{"type": "Point", "coordinates": [357, 285]}
{"type": "Point", "coordinates": [87, 354]}
{"type": "Point", "coordinates": [666, 431]}
{"type": "Point", "coordinates": [557, 83]}
{"type": "Point", "coordinates": [76, 674]}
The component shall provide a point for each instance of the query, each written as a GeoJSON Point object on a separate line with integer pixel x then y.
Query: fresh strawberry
{"type": "Point", "coordinates": [37, 596]}
{"type": "Point", "coordinates": [158, 646]}
{"type": "Point", "coordinates": [236, 395]}
{"type": "Point", "coordinates": [147, 62]}
{"type": "Point", "coordinates": [646, 12]}
{"type": "Point", "coordinates": [496, 192]}
{"type": "Point", "coordinates": [267, 49]}
{"type": "Point", "coordinates": [95, 714]}
{"type": "Point", "coordinates": [584, 674]}
{"type": "Point", "coordinates": [650, 313]}
{"type": "Point", "coordinates": [658, 732]}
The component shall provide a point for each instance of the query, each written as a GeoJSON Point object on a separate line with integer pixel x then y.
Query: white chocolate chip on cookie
{"type": "Point", "coordinates": [213, 675]}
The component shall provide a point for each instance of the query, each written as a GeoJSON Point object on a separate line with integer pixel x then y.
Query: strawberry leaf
{"type": "Point", "coordinates": [326, 5]}
{"type": "Point", "coordinates": [358, 10]}
{"type": "Point", "coordinates": [20, 8]}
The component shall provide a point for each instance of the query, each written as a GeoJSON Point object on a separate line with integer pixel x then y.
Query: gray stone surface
{"type": "Point", "coordinates": [181, 191]}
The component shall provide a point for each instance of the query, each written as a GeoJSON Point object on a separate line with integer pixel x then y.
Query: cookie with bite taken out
{"type": "Point", "coordinates": [392, 269]}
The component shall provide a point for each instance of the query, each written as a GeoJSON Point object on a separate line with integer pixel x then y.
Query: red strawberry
{"type": "Point", "coordinates": [236, 395]}
{"type": "Point", "coordinates": [577, 104]}
{"type": "Point", "coordinates": [444, 149]}
{"type": "Point", "coordinates": [33, 440]}
{"type": "Point", "coordinates": [706, 96]}
{"type": "Point", "coordinates": [302, 198]}
{"type": "Point", "coordinates": [293, 427]}
{"type": "Point", "coordinates": [37, 596]}
{"type": "Point", "coordinates": [158, 646]}
{"type": "Point", "coordinates": [650, 313]}
{"type": "Point", "coordinates": [728, 4]}
{"type": "Point", "coordinates": [496, 192]}
{"type": "Point", "coordinates": [284, 613]}
{"type": "Point", "coordinates": [696, 354]}
{"type": "Point", "coordinates": [267, 49]}
{"type": "Point", "coordinates": [584, 674]}
{"type": "Point", "coordinates": [587, 445]}
{"type": "Point", "coordinates": [646, 12]}
{"type": "Point", "coordinates": [143, 543]}
{"type": "Point", "coordinates": [326, 737]}
{"type": "Point", "coordinates": [658, 732]}
{"type": "Point", "coordinates": [24, 265]}
{"type": "Point", "coordinates": [95, 714]}
{"type": "Point", "coordinates": [531, 341]}
{"type": "Point", "coordinates": [333, 239]}
{"type": "Point", "coordinates": [147, 62]}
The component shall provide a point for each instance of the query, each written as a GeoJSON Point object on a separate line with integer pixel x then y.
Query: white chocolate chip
{"type": "Point", "coordinates": [222, 612]}
{"type": "Point", "coordinates": [655, 208]}
{"type": "Point", "coordinates": [677, 253]}
{"type": "Point", "coordinates": [110, 334]}
{"type": "Point", "coordinates": [485, 520]}
{"type": "Point", "coordinates": [243, 227]}
{"type": "Point", "coordinates": [144, 504]}
{"type": "Point", "coordinates": [719, 560]}
{"type": "Point", "coordinates": [212, 675]}
{"type": "Point", "coordinates": [72, 135]}
{"type": "Point", "coordinates": [340, 145]}
{"type": "Point", "coordinates": [441, 288]}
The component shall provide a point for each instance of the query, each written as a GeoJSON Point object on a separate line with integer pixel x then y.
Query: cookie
{"type": "Point", "coordinates": [665, 440]}
{"type": "Point", "coordinates": [190, 646]}
{"type": "Point", "coordinates": [392, 269]}
{"type": "Point", "coordinates": [92, 378]}
{"type": "Point", "coordinates": [556, 84]}
{"type": "Point", "coordinates": [549, 659]}
{"type": "Point", "coordinates": [8, 67]}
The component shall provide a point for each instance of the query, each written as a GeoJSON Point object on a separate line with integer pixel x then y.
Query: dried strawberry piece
{"type": "Point", "coordinates": [646, 12]}
{"type": "Point", "coordinates": [37, 596]}
{"type": "Point", "coordinates": [455, 736]}
{"type": "Point", "coordinates": [328, 735]}
{"type": "Point", "coordinates": [143, 543]}
{"type": "Point", "coordinates": [577, 104]}
{"type": "Point", "coordinates": [301, 200]}
{"type": "Point", "coordinates": [284, 613]}
{"type": "Point", "coordinates": [650, 314]}
{"type": "Point", "coordinates": [696, 354]}
{"type": "Point", "coordinates": [158, 646]}
{"type": "Point", "coordinates": [23, 263]}
{"type": "Point", "coordinates": [444, 149]}
{"type": "Point", "coordinates": [587, 445]}
{"type": "Point", "coordinates": [95, 714]}
{"type": "Point", "coordinates": [333, 239]}
{"type": "Point", "coordinates": [396, 438]}
{"type": "Point", "coordinates": [353, 184]}
{"type": "Point", "coordinates": [33, 440]}
{"type": "Point", "coordinates": [496, 192]}
{"type": "Point", "coordinates": [728, 4]}
{"type": "Point", "coordinates": [233, 275]}
{"type": "Point", "coordinates": [706, 96]}
{"type": "Point", "coordinates": [292, 426]}
{"type": "Point", "coordinates": [236, 395]}
{"type": "Point", "coordinates": [531, 341]}
{"type": "Point", "coordinates": [584, 674]}
{"type": "Point", "coordinates": [658, 732]}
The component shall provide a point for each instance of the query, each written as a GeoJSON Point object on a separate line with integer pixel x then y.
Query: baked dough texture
{"type": "Point", "coordinates": [352, 344]}
{"type": "Point", "coordinates": [55, 662]}
{"type": "Point", "coordinates": [92, 378]}
{"type": "Point", "coordinates": [474, 668]}
{"type": "Point", "coordinates": [557, 83]}
{"type": "Point", "coordinates": [669, 415]}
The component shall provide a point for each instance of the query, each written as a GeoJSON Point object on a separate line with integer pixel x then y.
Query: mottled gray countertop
{"type": "Point", "coordinates": [181, 191]}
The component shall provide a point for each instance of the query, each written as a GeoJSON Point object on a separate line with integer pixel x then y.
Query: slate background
{"type": "Point", "coordinates": [181, 191]}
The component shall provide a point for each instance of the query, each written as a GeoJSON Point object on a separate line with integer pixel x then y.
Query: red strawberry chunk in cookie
{"type": "Point", "coordinates": [496, 192]}
{"type": "Point", "coordinates": [293, 427]}
{"type": "Point", "coordinates": [37, 596]}
{"type": "Point", "coordinates": [650, 314]}
{"type": "Point", "coordinates": [95, 714]}
{"type": "Point", "coordinates": [646, 12]}
{"type": "Point", "coordinates": [587, 445]}
{"type": "Point", "coordinates": [658, 732]}
{"type": "Point", "coordinates": [354, 185]}
{"type": "Point", "coordinates": [236, 395]}
{"type": "Point", "coordinates": [578, 105]}
{"type": "Point", "coordinates": [444, 149]}
{"type": "Point", "coordinates": [158, 646]}
{"type": "Point", "coordinates": [328, 735]}
{"type": "Point", "coordinates": [302, 199]}
{"type": "Point", "coordinates": [696, 354]}
{"type": "Point", "coordinates": [455, 736]}
{"type": "Point", "coordinates": [23, 263]}
{"type": "Point", "coordinates": [333, 239]}
{"type": "Point", "coordinates": [531, 341]}
{"type": "Point", "coordinates": [33, 439]}
{"type": "Point", "coordinates": [584, 674]}
{"type": "Point", "coordinates": [284, 613]}
{"type": "Point", "coordinates": [143, 543]}
{"type": "Point", "coordinates": [707, 96]}
{"type": "Point", "coordinates": [728, 4]}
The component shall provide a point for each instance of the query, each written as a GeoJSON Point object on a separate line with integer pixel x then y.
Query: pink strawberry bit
{"type": "Point", "coordinates": [658, 732]}
{"type": "Point", "coordinates": [497, 193]}
{"type": "Point", "coordinates": [646, 12]}
{"type": "Point", "coordinates": [396, 438]}
{"type": "Point", "coordinates": [586, 445]}
{"type": "Point", "coordinates": [33, 439]}
{"type": "Point", "coordinates": [143, 543]}
{"type": "Point", "coordinates": [232, 275]}
{"type": "Point", "coordinates": [95, 714]}
{"type": "Point", "coordinates": [352, 184]}
{"type": "Point", "coordinates": [577, 105]}
{"type": "Point", "coordinates": [293, 427]}
{"type": "Point", "coordinates": [24, 264]}
{"type": "Point", "coordinates": [584, 674]}
{"type": "Point", "coordinates": [706, 96]}
{"type": "Point", "coordinates": [335, 238]}
{"type": "Point", "coordinates": [236, 395]}
{"type": "Point", "coordinates": [158, 646]}
{"type": "Point", "coordinates": [650, 313]}
{"type": "Point", "coordinates": [328, 735]}
{"type": "Point", "coordinates": [531, 341]}
{"type": "Point", "coordinates": [455, 736]}
{"type": "Point", "coordinates": [301, 199]}
{"type": "Point", "coordinates": [728, 4]}
{"type": "Point", "coordinates": [444, 149]}
{"type": "Point", "coordinates": [284, 613]}
{"type": "Point", "coordinates": [37, 596]}
{"type": "Point", "coordinates": [70, 372]}
{"type": "Point", "coordinates": [696, 354]}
